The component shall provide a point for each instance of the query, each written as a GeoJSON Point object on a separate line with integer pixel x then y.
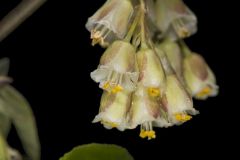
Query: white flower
{"type": "Point", "coordinates": [199, 77]}
{"type": "Point", "coordinates": [113, 110]}
{"type": "Point", "coordinates": [175, 19]}
{"type": "Point", "coordinates": [110, 22]}
{"type": "Point", "coordinates": [117, 68]}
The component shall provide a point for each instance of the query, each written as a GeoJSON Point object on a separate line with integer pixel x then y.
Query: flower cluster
{"type": "Point", "coordinates": [147, 72]}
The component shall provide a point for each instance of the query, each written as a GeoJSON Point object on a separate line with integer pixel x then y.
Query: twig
{"type": "Point", "coordinates": [18, 15]}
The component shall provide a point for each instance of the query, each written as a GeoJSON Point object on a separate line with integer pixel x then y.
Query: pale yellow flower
{"type": "Point", "coordinates": [151, 73]}
{"type": "Point", "coordinates": [110, 22]}
{"type": "Point", "coordinates": [199, 77]}
{"type": "Point", "coordinates": [175, 19]}
{"type": "Point", "coordinates": [113, 110]}
{"type": "Point", "coordinates": [147, 111]}
{"type": "Point", "coordinates": [117, 69]}
{"type": "Point", "coordinates": [177, 101]}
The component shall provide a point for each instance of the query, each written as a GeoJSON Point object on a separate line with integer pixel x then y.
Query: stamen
{"type": "Point", "coordinates": [182, 117]}
{"type": "Point", "coordinates": [154, 92]}
{"type": "Point", "coordinates": [147, 131]}
{"type": "Point", "coordinates": [99, 34]}
{"type": "Point", "coordinates": [106, 85]}
{"type": "Point", "coordinates": [180, 28]}
{"type": "Point", "coordinates": [113, 82]}
{"type": "Point", "coordinates": [204, 92]}
{"type": "Point", "coordinates": [117, 89]}
{"type": "Point", "coordinates": [111, 124]}
{"type": "Point", "coordinates": [143, 134]}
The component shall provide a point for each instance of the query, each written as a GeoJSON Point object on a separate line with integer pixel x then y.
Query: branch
{"type": "Point", "coordinates": [18, 15]}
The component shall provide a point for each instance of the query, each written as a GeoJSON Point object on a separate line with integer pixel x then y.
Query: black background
{"type": "Point", "coordinates": [51, 58]}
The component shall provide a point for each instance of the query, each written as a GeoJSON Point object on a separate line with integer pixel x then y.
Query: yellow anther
{"type": "Point", "coordinates": [111, 124]}
{"type": "Point", "coordinates": [205, 91]}
{"type": "Point", "coordinates": [151, 135]}
{"type": "Point", "coordinates": [183, 33]}
{"type": "Point", "coordinates": [106, 85]}
{"type": "Point", "coordinates": [117, 89]}
{"type": "Point", "coordinates": [154, 92]}
{"type": "Point", "coordinates": [96, 37]}
{"type": "Point", "coordinates": [99, 37]}
{"type": "Point", "coordinates": [181, 29]}
{"type": "Point", "coordinates": [147, 134]}
{"type": "Point", "coordinates": [143, 134]}
{"type": "Point", "coordinates": [182, 117]}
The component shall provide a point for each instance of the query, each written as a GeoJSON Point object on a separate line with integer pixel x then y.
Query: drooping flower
{"type": "Point", "coordinates": [147, 111]}
{"type": "Point", "coordinates": [151, 73]}
{"type": "Point", "coordinates": [117, 69]}
{"type": "Point", "coordinates": [177, 101]}
{"type": "Point", "coordinates": [175, 19]}
{"type": "Point", "coordinates": [199, 77]}
{"type": "Point", "coordinates": [110, 22]}
{"type": "Point", "coordinates": [148, 88]}
{"type": "Point", "coordinates": [113, 110]}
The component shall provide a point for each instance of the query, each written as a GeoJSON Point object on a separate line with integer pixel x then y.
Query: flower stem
{"type": "Point", "coordinates": [11, 21]}
{"type": "Point", "coordinates": [133, 27]}
{"type": "Point", "coordinates": [185, 49]}
{"type": "Point", "coordinates": [143, 38]}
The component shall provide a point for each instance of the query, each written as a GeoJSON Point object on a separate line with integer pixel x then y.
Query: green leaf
{"type": "Point", "coordinates": [98, 152]}
{"type": "Point", "coordinates": [5, 125]}
{"type": "Point", "coordinates": [19, 111]}
{"type": "Point", "coordinates": [3, 148]}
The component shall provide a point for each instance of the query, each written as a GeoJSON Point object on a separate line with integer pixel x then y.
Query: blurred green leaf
{"type": "Point", "coordinates": [20, 113]}
{"type": "Point", "coordinates": [98, 152]}
{"type": "Point", "coordinates": [3, 148]}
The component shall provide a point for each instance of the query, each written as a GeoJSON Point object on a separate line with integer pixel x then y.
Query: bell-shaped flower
{"type": "Point", "coordinates": [199, 77]}
{"type": "Point", "coordinates": [151, 73]}
{"type": "Point", "coordinates": [177, 101]}
{"type": "Point", "coordinates": [110, 22]}
{"type": "Point", "coordinates": [117, 69]}
{"type": "Point", "coordinates": [113, 110]}
{"type": "Point", "coordinates": [146, 111]}
{"type": "Point", "coordinates": [175, 19]}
